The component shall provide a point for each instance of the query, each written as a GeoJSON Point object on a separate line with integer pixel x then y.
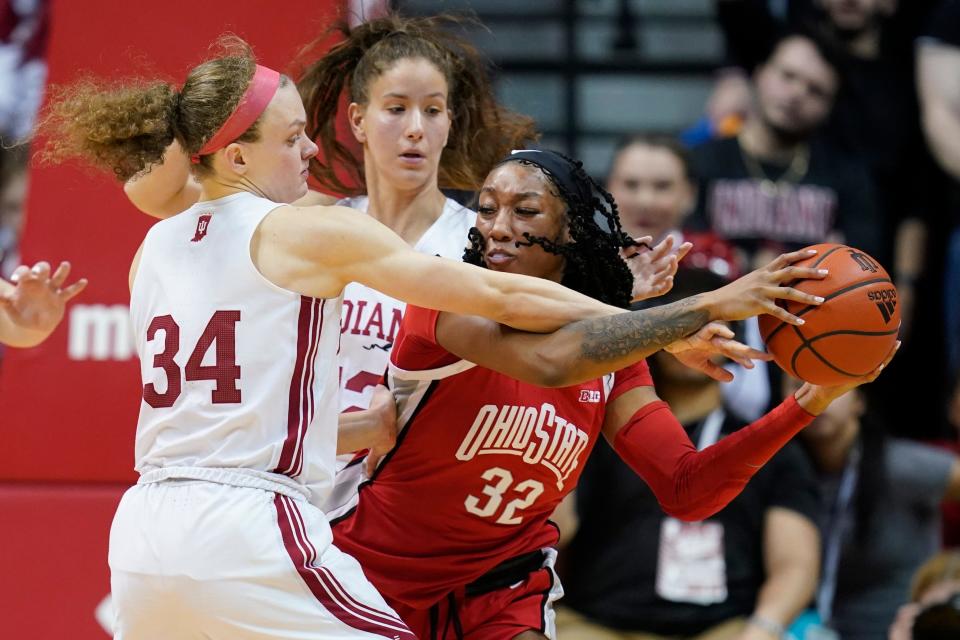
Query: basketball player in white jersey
{"type": "Point", "coordinates": [33, 302]}
{"type": "Point", "coordinates": [235, 308]}
{"type": "Point", "coordinates": [425, 115]}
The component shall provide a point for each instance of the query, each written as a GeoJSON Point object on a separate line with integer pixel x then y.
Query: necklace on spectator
{"type": "Point", "coordinates": [795, 171]}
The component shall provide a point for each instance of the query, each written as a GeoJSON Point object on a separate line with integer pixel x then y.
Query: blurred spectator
{"type": "Point", "coordinates": [880, 514]}
{"type": "Point", "coordinates": [24, 32]}
{"type": "Point", "coordinates": [935, 583]}
{"type": "Point", "coordinates": [751, 28]}
{"type": "Point", "coordinates": [875, 117]}
{"type": "Point", "coordinates": [742, 573]}
{"type": "Point", "coordinates": [651, 182]}
{"type": "Point", "coordinates": [777, 187]}
{"type": "Point", "coordinates": [13, 192]}
{"type": "Point", "coordinates": [938, 80]}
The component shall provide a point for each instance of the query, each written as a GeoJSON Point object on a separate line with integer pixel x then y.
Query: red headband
{"type": "Point", "coordinates": [254, 101]}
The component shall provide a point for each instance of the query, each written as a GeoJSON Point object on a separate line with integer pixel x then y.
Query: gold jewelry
{"type": "Point", "coordinates": [797, 169]}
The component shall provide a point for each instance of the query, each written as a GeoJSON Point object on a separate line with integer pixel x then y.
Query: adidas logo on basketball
{"type": "Point", "coordinates": [886, 301]}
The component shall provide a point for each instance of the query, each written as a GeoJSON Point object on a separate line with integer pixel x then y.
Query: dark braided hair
{"type": "Point", "coordinates": [593, 265]}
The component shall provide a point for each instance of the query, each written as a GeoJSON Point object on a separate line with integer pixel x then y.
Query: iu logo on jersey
{"type": "Point", "coordinates": [202, 224]}
{"type": "Point", "coordinates": [590, 395]}
{"type": "Point", "coordinates": [863, 261]}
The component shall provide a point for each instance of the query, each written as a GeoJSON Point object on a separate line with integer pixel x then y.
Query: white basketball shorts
{"type": "Point", "coordinates": [198, 559]}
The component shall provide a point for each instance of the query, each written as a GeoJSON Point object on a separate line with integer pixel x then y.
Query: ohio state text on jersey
{"type": "Point", "coordinates": [481, 462]}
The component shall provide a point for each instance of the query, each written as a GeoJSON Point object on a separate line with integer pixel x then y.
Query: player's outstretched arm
{"type": "Point", "coordinates": [33, 306]}
{"type": "Point", "coordinates": [590, 348]}
{"type": "Point", "coordinates": [693, 485]}
{"type": "Point", "coordinates": [318, 250]}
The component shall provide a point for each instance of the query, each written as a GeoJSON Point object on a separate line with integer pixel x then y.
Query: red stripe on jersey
{"type": "Point", "coordinates": [311, 551]}
{"type": "Point", "coordinates": [292, 444]}
{"type": "Point", "coordinates": [324, 586]}
{"type": "Point", "coordinates": [308, 408]}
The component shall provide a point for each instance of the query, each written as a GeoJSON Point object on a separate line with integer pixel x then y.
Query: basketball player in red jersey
{"type": "Point", "coordinates": [33, 302]}
{"type": "Point", "coordinates": [419, 102]}
{"type": "Point", "coordinates": [453, 526]}
{"type": "Point", "coordinates": [237, 443]}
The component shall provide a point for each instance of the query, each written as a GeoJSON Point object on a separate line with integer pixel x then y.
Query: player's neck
{"type": "Point", "coordinates": [762, 142]}
{"type": "Point", "coordinates": [214, 189]}
{"type": "Point", "coordinates": [691, 401]}
{"type": "Point", "coordinates": [408, 212]}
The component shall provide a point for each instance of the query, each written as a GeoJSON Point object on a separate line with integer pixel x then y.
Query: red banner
{"type": "Point", "coordinates": [69, 407]}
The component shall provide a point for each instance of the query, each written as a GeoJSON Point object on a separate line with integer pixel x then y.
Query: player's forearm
{"type": "Point", "coordinates": [588, 349]}
{"type": "Point", "coordinates": [693, 485]}
{"type": "Point", "coordinates": [358, 430]}
{"type": "Point", "coordinates": [539, 305]}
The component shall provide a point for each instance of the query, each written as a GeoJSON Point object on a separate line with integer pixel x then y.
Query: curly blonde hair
{"type": "Point", "coordinates": [125, 126]}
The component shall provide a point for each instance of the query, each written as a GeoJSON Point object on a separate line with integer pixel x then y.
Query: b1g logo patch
{"type": "Point", "coordinates": [588, 395]}
{"type": "Point", "coordinates": [202, 224]}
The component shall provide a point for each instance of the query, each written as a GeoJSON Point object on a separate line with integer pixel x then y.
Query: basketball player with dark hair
{"type": "Point", "coordinates": [496, 424]}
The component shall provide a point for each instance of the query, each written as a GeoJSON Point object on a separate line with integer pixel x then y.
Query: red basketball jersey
{"type": "Point", "coordinates": [481, 462]}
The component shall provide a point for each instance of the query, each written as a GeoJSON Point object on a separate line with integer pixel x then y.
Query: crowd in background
{"type": "Point", "coordinates": [833, 121]}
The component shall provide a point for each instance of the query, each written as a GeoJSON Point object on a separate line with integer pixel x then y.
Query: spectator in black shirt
{"type": "Point", "coordinates": [938, 65]}
{"type": "Point", "coordinates": [776, 187]}
{"type": "Point", "coordinates": [743, 573]}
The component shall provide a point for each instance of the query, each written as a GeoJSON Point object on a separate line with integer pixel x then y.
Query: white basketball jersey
{"type": "Point", "coordinates": [237, 372]}
{"type": "Point", "coordinates": [370, 319]}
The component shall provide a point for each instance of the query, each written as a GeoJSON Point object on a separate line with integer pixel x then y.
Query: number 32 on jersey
{"type": "Point", "coordinates": [500, 485]}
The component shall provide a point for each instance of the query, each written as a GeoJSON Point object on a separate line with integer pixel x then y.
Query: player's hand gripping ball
{"type": "Point", "coordinates": [847, 336]}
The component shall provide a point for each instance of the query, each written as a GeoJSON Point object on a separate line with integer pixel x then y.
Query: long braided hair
{"type": "Point", "coordinates": [592, 262]}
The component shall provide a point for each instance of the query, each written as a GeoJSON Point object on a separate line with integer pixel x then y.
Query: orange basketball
{"type": "Point", "coordinates": [850, 333]}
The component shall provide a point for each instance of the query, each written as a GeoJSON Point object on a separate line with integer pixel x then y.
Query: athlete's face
{"type": "Point", "coordinates": [795, 88]}
{"type": "Point", "coordinates": [405, 124]}
{"type": "Point", "coordinates": [651, 188]}
{"type": "Point", "coordinates": [515, 199]}
{"type": "Point", "coordinates": [276, 164]}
